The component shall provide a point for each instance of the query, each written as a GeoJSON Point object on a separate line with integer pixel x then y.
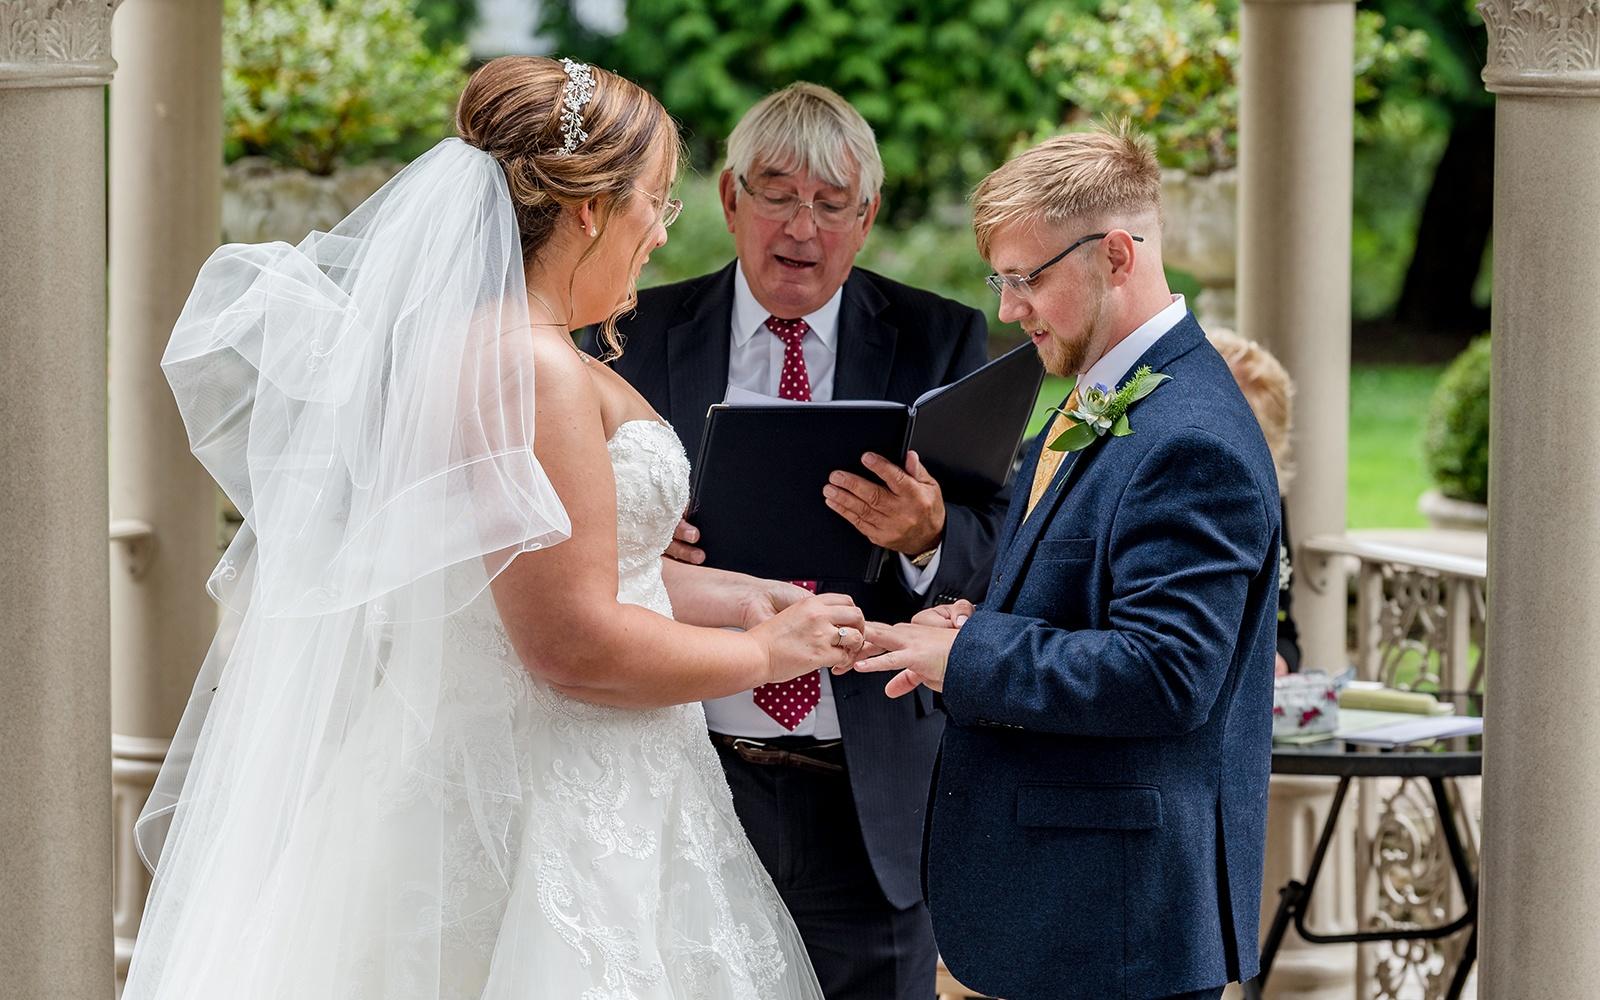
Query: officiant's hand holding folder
{"type": "Point", "coordinates": [757, 496]}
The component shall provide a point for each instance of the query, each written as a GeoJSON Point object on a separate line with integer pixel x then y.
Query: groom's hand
{"type": "Point", "coordinates": [918, 652]}
{"type": "Point", "coordinates": [904, 513]}
{"type": "Point", "coordinates": [946, 615]}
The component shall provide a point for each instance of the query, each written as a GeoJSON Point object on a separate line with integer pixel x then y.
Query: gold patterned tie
{"type": "Point", "coordinates": [1049, 459]}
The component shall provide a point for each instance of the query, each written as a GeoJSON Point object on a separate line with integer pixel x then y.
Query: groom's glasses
{"type": "Point", "coordinates": [776, 205]}
{"type": "Point", "coordinates": [670, 209]}
{"type": "Point", "coordinates": [1020, 284]}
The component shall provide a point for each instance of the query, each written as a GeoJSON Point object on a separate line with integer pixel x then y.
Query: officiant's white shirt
{"type": "Point", "coordinates": [755, 362]}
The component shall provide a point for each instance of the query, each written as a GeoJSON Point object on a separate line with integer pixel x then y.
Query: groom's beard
{"type": "Point", "coordinates": [1064, 356]}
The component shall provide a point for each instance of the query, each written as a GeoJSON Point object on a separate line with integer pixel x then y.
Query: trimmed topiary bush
{"type": "Point", "coordinates": [1456, 438]}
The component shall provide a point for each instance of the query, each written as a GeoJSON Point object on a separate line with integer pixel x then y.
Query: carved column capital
{"type": "Point", "coordinates": [56, 43]}
{"type": "Point", "coordinates": [1545, 48]}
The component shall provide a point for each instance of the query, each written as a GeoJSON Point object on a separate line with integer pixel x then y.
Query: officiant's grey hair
{"type": "Point", "coordinates": [808, 128]}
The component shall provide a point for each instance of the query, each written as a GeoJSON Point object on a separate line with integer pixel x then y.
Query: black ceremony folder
{"type": "Point", "coordinates": [757, 496]}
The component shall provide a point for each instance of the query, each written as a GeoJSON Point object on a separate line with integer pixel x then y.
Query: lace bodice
{"type": "Point", "coordinates": [652, 475]}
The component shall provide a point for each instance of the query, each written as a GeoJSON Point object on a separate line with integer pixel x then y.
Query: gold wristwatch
{"type": "Point", "coordinates": [922, 559]}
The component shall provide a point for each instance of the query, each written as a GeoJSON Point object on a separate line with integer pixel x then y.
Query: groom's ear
{"type": "Point", "coordinates": [728, 190]}
{"type": "Point", "coordinates": [1118, 248]}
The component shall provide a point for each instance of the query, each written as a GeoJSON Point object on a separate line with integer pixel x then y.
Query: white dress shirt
{"type": "Point", "coordinates": [755, 362]}
{"type": "Point", "coordinates": [1114, 366]}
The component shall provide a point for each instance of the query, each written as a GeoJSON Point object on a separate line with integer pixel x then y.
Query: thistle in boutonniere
{"type": "Point", "coordinates": [1101, 411]}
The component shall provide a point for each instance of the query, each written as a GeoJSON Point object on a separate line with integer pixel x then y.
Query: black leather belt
{"type": "Point", "coordinates": [821, 756]}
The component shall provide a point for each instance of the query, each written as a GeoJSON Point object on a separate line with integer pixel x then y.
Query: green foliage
{"type": "Point", "coordinates": [1172, 67]}
{"type": "Point", "coordinates": [312, 84]}
{"type": "Point", "coordinates": [446, 21]}
{"type": "Point", "coordinates": [1451, 77]}
{"type": "Point", "coordinates": [944, 83]}
{"type": "Point", "coordinates": [1394, 168]}
{"type": "Point", "coordinates": [1456, 440]}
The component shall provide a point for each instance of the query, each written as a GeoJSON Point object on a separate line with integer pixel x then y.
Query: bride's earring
{"type": "Point", "coordinates": [593, 232]}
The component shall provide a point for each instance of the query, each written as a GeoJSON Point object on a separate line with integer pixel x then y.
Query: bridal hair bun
{"type": "Point", "coordinates": [565, 133]}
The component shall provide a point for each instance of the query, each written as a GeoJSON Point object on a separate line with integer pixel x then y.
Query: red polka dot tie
{"type": "Point", "coordinates": [791, 701]}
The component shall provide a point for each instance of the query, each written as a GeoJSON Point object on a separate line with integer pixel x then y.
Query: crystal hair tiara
{"type": "Point", "coordinates": [574, 97]}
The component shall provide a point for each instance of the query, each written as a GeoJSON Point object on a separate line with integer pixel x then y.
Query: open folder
{"type": "Point", "coordinates": [757, 496]}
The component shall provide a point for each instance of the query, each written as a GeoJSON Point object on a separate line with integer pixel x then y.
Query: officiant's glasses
{"type": "Point", "coordinates": [1021, 283]}
{"type": "Point", "coordinates": [671, 208]}
{"type": "Point", "coordinates": [781, 206]}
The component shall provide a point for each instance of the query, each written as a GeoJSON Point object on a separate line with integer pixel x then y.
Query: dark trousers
{"type": "Point", "coordinates": [1211, 994]}
{"type": "Point", "coordinates": [804, 827]}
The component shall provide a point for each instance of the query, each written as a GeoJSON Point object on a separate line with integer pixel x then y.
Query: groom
{"type": "Point", "coordinates": [1098, 816]}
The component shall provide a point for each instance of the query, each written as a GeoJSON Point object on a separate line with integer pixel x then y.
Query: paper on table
{"type": "Point", "coordinates": [1356, 723]}
{"type": "Point", "coordinates": [1414, 729]}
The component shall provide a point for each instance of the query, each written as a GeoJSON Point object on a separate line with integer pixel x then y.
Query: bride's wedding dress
{"type": "Point", "coordinates": [631, 876]}
{"type": "Point", "coordinates": [370, 797]}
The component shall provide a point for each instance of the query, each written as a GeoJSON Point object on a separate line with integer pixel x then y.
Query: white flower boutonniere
{"type": "Point", "coordinates": [1101, 411]}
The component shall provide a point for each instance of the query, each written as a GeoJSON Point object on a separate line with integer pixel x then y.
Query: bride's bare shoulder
{"type": "Point", "coordinates": [563, 390]}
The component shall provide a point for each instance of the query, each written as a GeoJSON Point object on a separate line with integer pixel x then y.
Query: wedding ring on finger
{"type": "Point", "coordinates": [842, 640]}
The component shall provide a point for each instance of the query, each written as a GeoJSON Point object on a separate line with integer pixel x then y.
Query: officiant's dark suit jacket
{"type": "Point", "coordinates": [1098, 821]}
{"type": "Point", "coordinates": [895, 343]}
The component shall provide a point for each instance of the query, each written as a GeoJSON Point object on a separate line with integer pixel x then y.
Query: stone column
{"type": "Point", "coordinates": [55, 764]}
{"type": "Point", "coordinates": [166, 184]}
{"type": "Point", "coordinates": [1296, 95]}
{"type": "Point", "coordinates": [1295, 151]}
{"type": "Point", "coordinates": [1542, 746]}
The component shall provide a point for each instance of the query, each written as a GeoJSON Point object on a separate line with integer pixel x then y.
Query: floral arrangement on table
{"type": "Point", "coordinates": [1304, 705]}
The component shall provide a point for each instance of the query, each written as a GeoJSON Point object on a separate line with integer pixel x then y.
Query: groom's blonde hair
{"type": "Point", "coordinates": [1107, 173]}
{"type": "Point", "coordinates": [805, 127]}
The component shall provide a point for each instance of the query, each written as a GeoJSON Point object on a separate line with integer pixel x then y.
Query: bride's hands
{"type": "Point", "coordinates": [813, 634]}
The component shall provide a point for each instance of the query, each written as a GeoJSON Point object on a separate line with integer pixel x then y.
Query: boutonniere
{"type": "Point", "coordinates": [1101, 411]}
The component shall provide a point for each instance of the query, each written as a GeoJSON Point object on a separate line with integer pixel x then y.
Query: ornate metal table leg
{"type": "Point", "coordinates": [1293, 896]}
{"type": "Point", "coordinates": [1469, 884]}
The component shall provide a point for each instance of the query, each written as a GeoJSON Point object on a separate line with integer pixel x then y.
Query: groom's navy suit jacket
{"type": "Point", "coordinates": [895, 342]}
{"type": "Point", "coordinates": [1098, 820]}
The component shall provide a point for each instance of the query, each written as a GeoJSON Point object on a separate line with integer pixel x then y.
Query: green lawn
{"type": "Point", "coordinates": [1387, 407]}
{"type": "Point", "coordinates": [1387, 404]}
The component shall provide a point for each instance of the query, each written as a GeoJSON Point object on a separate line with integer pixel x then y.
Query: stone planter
{"type": "Point", "coordinates": [1447, 513]}
{"type": "Point", "coordinates": [1201, 237]}
{"type": "Point", "coordinates": [264, 201]}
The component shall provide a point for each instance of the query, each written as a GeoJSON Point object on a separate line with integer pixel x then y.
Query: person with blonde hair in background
{"type": "Point", "coordinates": [1270, 392]}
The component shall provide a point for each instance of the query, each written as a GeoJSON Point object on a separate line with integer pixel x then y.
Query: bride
{"type": "Point", "coordinates": [447, 743]}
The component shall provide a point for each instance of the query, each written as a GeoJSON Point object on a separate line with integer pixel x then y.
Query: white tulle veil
{"type": "Point", "coordinates": [366, 400]}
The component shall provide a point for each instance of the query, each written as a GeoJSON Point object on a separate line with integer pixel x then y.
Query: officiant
{"type": "Point", "coordinates": [830, 777]}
